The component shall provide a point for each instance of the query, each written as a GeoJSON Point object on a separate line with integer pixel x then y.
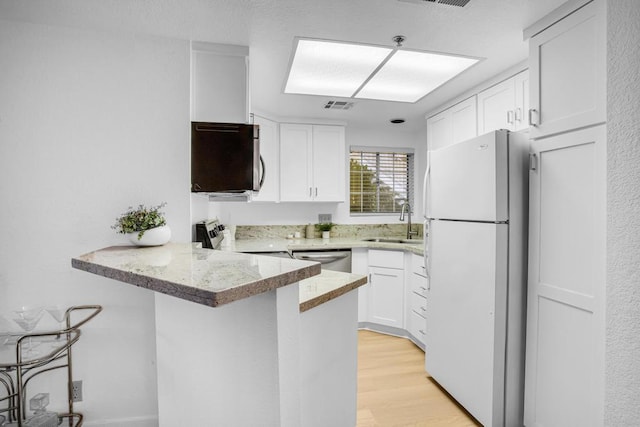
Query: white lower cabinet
{"type": "Point", "coordinates": [386, 299]}
{"type": "Point", "coordinates": [394, 301]}
{"type": "Point", "coordinates": [417, 313]}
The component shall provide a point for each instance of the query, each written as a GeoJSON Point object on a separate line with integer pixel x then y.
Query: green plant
{"type": "Point", "coordinates": [139, 220]}
{"type": "Point", "coordinates": [324, 226]}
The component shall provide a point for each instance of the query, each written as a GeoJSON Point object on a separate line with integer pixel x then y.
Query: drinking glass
{"type": "Point", "coordinates": [28, 318]}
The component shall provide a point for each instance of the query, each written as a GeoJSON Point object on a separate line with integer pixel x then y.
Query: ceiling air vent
{"type": "Point", "coordinates": [338, 105]}
{"type": "Point", "coordinates": [460, 3]}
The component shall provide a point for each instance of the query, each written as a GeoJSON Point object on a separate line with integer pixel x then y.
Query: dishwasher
{"type": "Point", "coordinates": [335, 260]}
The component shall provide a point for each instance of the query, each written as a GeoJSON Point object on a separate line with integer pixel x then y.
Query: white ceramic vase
{"type": "Point", "coordinates": [154, 237]}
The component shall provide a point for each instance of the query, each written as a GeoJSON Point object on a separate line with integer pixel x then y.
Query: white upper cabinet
{"type": "Point", "coordinates": [568, 73]}
{"type": "Point", "coordinates": [219, 88]}
{"type": "Point", "coordinates": [439, 130]}
{"type": "Point", "coordinates": [295, 162]}
{"type": "Point", "coordinates": [521, 120]}
{"type": "Point", "coordinates": [312, 163]}
{"type": "Point", "coordinates": [329, 160]}
{"type": "Point", "coordinates": [503, 106]}
{"type": "Point", "coordinates": [455, 124]}
{"type": "Point", "coordinates": [270, 153]}
{"type": "Point", "coordinates": [464, 120]}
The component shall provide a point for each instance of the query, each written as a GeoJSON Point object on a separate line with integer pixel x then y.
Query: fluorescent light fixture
{"type": "Point", "coordinates": [332, 68]}
{"type": "Point", "coordinates": [350, 70]}
{"type": "Point", "coordinates": [409, 75]}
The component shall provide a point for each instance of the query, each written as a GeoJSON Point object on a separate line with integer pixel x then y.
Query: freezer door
{"type": "Point", "coordinates": [469, 180]}
{"type": "Point", "coordinates": [466, 315]}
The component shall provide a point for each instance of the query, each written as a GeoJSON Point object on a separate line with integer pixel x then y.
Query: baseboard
{"type": "Point", "coordinates": [149, 421]}
{"type": "Point", "coordinates": [390, 330]}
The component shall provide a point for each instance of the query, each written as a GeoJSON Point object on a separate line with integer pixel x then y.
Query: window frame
{"type": "Point", "coordinates": [389, 152]}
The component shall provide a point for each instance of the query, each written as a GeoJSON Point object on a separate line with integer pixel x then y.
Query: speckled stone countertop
{"type": "Point", "coordinates": [289, 245]}
{"type": "Point", "coordinates": [328, 285]}
{"type": "Point", "coordinates": [203, 276]}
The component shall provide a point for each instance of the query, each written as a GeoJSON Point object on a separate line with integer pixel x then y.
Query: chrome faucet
{"type": "Point", "coordinates": [407, 207]}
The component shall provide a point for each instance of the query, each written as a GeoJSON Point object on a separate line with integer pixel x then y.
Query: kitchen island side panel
{"type": "Point", "coordinates": [218, 366]}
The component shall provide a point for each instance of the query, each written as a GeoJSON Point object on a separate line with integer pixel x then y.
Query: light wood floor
{"type": "Point", "coordinates": [395, 390]}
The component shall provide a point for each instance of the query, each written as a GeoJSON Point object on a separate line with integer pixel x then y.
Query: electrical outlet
{"type": "Point", "coordinates": [324, 218]}
{"type": "Point", "coordinates": [76, 391]}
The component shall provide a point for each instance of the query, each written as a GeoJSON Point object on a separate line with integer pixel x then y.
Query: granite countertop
{"type": "Point", "coordinates": [327, 286]}
{"type": "Point", "coordinates": [203, 276]}
{"type": "Point", "coordinates": [288, 245]}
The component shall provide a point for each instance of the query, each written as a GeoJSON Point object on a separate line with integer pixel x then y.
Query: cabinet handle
{"type": "Point", "coordinates": [424, 310]}
{"type": "Point", "coordinates": [316, 191]}
{"type": "Point", "coordinates": [510, 116]}
{"type": "Point", "coordinates": [423, 288]}
{"type": "Point", "coordinates": [385, 275]}
{"type": "Point", "coordinates": [422, 332]}
{"type": "Point", "coordinates": [309, 191]}
{"type": "Point", "coordinates": [518, 115]}
{"type": "Point", "coordinates": [532, 122]}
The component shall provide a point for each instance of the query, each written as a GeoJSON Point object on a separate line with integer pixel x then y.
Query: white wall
{"type": "Point", "coordinates": [90, 123]}
{"type": "Point", "coordinates": [622, 401]}
{"type": "Point", "coordinates": [302, 213]}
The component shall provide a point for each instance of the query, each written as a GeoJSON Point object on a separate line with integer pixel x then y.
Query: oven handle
{"type": "Point", "coordinates": [322, 259]}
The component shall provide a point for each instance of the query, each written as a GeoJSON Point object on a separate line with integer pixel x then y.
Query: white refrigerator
{"type": "Point", "coordinates": [475, 209]}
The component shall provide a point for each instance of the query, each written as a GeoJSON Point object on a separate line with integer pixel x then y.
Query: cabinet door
{"type": "Point", "coordinates": [219, 85]}
{"type": "Point", "coordinates": [270, 152]}
{"type": "Point", "coordinates": [329, 161]}
{"type": "Point", "coordinates": [496, 107]}
{"type": "Point", "coordinates": [568, 73]}
{"type": "Point", "coordinates": [521, 121]}
{"type": "Point", "coordinates": [439, 130]}
{"type": "Point", "coordinates": [464, 119]}
{"type": "Point", "coordinates": [386, 296]}
{"type": "Point", "coordinates": [295, 162]}
{"type": "Point", "coordinates": [564, 378]}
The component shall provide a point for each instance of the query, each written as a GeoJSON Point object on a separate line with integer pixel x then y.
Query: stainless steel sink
{"type": "Point", "coordinates": [391, 240]}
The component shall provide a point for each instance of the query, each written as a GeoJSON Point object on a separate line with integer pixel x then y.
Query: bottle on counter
{"type": "Point", "coordinates": [310, 231]}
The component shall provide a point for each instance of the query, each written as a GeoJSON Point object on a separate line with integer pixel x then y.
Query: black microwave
{"type": "Point", "coordinates": [225, 158]}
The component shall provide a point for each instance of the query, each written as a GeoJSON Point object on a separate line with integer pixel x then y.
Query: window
{"type": "Point", "coordinates": [380, 180]}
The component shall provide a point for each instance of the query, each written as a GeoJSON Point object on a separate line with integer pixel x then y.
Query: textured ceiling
{"type": "Point", "coordinates": [491, 29]}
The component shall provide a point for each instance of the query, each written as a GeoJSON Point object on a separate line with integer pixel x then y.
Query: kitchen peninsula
{"type": "Point", "coordinates": [235, 344]}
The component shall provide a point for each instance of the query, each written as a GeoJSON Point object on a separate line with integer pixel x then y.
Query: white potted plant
{"type": "Point", "coordinates": [325, 228]}
{"type": "Point", "coordinates": [144, 226]}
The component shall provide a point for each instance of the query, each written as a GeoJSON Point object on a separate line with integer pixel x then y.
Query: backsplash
{"type": "Point", "coordinates": [338, 231]}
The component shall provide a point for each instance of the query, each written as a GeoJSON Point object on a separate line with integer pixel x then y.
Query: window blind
{"type": "Point", "coordinates": [380, 181]}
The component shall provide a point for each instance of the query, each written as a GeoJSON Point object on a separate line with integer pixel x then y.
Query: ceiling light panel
{"type": "Point", "coordinates": [332, 68]}
{"type": "Point", "coordinates": [410, 75]}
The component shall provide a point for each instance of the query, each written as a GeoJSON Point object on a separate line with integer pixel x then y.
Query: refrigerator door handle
{"type": "Point", "coordinates": [425, 188]}
{"type": "Point", "coordinates": [426, 226]}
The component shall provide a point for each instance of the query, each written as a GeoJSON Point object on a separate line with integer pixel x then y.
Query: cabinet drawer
{"type": "Point", "coordinates": [388, 259]}
{"type": "Point", "coordinates": [419, 284]}
{"type": "Point", "coordinates": [417, 265]}
{"type": "Point", "coordinates": [419, 304]}
{"type": "Point", "coordinates": [417, 326]}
